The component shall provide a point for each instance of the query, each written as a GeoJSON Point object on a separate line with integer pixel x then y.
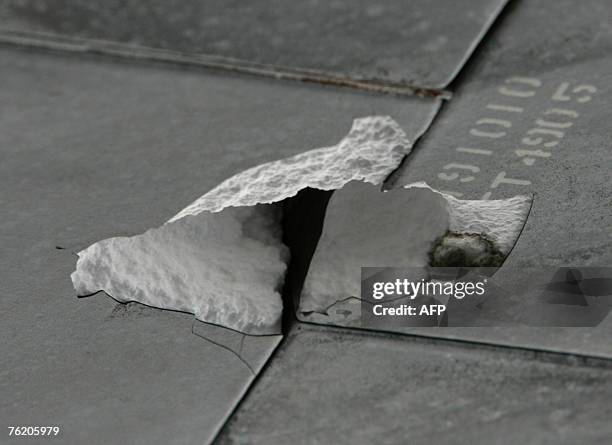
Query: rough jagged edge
{"type": "Point", "coordinates": [374, 146]}
{"type": "Point", "coordinates": [486, 220]}
{"type": "Point", "coordinates": [496, 243]}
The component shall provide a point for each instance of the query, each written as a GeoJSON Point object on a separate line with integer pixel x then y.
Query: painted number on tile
{"type": "Point", "coordinates": [535, 145]}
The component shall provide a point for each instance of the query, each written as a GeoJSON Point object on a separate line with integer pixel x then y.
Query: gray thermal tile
{"type": "Point", "coordinates": [346, 387]}
{"type": "Point", "coordinates": [422, 43]}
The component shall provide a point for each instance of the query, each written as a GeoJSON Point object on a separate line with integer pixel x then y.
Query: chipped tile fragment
{"type": "Point", "coordinates": [225, 268]}
{"type": "Point", "coordinates": [222, 258]}
{"type": "Point", "coordinates": [365, 227]}
{"type": "Point", "coordinates": [373, 148]}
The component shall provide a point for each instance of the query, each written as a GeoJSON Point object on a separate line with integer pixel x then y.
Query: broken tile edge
{"type": "Point", "coordinates": [373, 148]}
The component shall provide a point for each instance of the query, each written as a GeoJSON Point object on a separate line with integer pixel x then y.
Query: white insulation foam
{"type": "Point", "coordinates": [227, 267]}
{"type": "Point", "coordinates": [222, 258]}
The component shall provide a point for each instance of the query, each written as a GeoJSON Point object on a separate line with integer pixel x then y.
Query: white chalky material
{"type": "Point", "coordinates": [221, 258]}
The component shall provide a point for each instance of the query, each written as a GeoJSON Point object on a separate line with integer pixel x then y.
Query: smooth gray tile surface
{"type": "Point", "coordinates": [423, 42]}
{"type": "Point", "coordinates": [343, 387]}
{"type": "Point", "coordinates": [91, 149]}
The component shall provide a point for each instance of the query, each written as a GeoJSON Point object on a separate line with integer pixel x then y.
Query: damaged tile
{"type": "Point", "coordinates": [92, 149]}
{"type": "Point", "coordinates": [185, 264]}
{"type": "Point", "coordinates": [373, 148]}
{"type": "Point", "coordinates": [422, 43]}
{"type": "Point", "coordinates": [225, 268]}
{"type": "Point", "coordinates": [365, 227]}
